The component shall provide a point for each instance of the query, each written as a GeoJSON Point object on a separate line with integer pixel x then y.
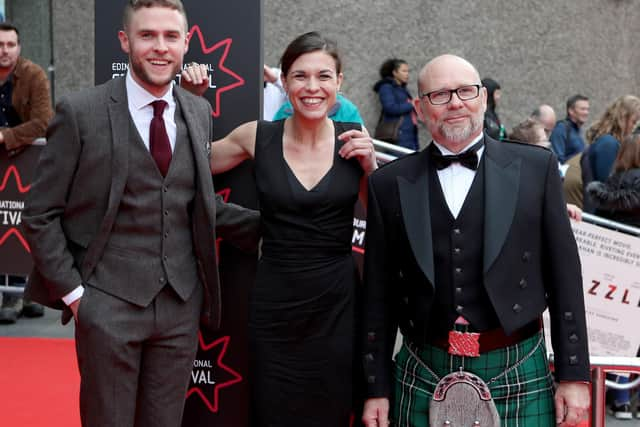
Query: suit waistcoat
{"type": "Point", "coordinates": [151, 242]}
{"type": "Point", "coordinates": [458, 256]}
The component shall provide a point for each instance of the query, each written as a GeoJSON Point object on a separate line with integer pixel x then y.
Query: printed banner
{"type": "Point", "coordinates": [226, 36]}
{"type": "Point", "coordinates": [16, 174]}
{"type": "Point", "coordinates": [611, 277]}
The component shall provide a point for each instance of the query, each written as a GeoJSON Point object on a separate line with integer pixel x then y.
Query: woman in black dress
{"type": "Point", "coordinates": [309, 173]}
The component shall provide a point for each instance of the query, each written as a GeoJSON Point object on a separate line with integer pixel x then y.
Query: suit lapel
{"type": "Point", "coordinates": [502, 182]}
{"type": "Point", "coordinates": [200, 146]}
{"type": "Point", "coordinates": [414, 202]}
{"type": "Point", "coordinates": [120, 123]}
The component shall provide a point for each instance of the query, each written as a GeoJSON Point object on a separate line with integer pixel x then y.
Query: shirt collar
{"type": "Point", "coordinates": [140, 98]}
{"type": "Point", "coordinates": [447, 152]}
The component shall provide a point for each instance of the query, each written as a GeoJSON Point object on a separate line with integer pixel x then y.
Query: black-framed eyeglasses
{"type": "Point", "coordinates": [443, 96]}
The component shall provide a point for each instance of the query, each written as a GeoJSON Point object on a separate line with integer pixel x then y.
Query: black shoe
{"type": "Point", "coordinates": [11, 308]}
{"type": "Point", "coordinates": [621, 412]}
{"type": "Point", "coordinates": [32, 309]}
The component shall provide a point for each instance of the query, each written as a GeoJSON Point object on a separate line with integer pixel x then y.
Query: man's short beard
{"type": "Point", "coordinates": [461, 134]}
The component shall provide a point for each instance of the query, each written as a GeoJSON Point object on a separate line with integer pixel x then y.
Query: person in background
{"type": "Point", "coordinates": [531, 132]}
{"type": "Point", "coordinates": [565, 138]}
{"type": "Point", "coordinates": [546, 116]}
{"type": "Point", "coordinates": [274, 95]}
{"type": "Point", "coordinates": [25, 111]}
{"type": "Point", "coordinates": [122, 220]}
{"type": "Point", "coordinates": [492, 124]}
{"type": "Point", "coordinates": [397, 102]}
{"type": "Point", "coordinates": [604, 135]}
{"type": "Point", "coordinates": [469, 241]}
{"type": "Point", "coordinates": [309, 172]}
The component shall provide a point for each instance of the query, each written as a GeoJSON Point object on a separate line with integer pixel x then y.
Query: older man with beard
{"type": "Point", "coordinates": [467, 243]}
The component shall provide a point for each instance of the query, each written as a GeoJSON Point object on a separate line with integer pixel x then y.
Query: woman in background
{"type": "Point", "coordinates": [397, 102]}
{"type": "Point", "coordinates": [492, 124]}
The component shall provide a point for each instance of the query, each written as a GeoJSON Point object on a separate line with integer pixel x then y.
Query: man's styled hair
{"type": "Point", "coordinates": [135, 5]}
{"type": "Point", "coordinates": [7, 26]}
{"type": "Point", "coordinates": [526, 132]}
{"type": "Point", "coordinates": [571, 102]}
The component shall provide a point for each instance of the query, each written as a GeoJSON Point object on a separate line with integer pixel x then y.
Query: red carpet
{"type": "Point", "coordinates": [39, 382]}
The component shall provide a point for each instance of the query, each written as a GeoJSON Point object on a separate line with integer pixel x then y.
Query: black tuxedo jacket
{"type": "Point", "coordinates": [530, 258]}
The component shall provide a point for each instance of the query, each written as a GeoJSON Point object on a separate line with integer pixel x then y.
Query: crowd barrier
{"type": "Point", "coordinates": [600, 366]}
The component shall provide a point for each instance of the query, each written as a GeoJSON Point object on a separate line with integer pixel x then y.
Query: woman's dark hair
{"type": "Point", "coordinates": [491, 86]}
{"type": "Point", "coordinates": [307, 43]}
{"type": "Point", "coordinates": [389, 66]}
{"type": "Point", "coordinates": [628, 154]}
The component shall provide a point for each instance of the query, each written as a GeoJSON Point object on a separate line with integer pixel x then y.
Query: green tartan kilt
{"type": "Point", "coordinates": [523, 397]}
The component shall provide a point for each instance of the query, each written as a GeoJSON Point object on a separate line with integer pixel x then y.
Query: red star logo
{"type": "Point", "coordinates": [12, 170]}
{"type": "Point", "coordinates": [225, 46]}
{"type": "Point", "coordinates": [221, 371]}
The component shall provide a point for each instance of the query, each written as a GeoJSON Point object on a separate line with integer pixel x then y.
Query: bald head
{"type": "Point", "coordinates": [457, 122]}
{"type": "Point", "coordinates": [545, 115]}
{"type": "Point", "coordinates": [441, 67]}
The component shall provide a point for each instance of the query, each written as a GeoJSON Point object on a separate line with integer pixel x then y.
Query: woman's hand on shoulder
{"type": "Point", "coordinates": [358, 144]}
{"type": "Point", "coordinates": [195, 78]}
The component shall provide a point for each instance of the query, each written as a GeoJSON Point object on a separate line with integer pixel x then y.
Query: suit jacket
{"type": "Point", "coordinates": [82, 172]}
{"type": "Point", "coordinates": [530, 258]}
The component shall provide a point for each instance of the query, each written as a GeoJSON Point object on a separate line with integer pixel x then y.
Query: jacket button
{"type": "Point", "coordinates": [458, 290]}
{"type": "Point", "coordinates": [523, 283]}
{"type": "Point", "coordinates": [411, 324]}
{"type": "Point", "coordinates": [456, 231]}
{"type": "Point", "coordinates": [400, 274]}
{"type": "Point", "coordinates": [371, 379]}
{"type": "Point", "coordinates": [369, 357]}
{"type": "Point", "coordinates": [161, 280]}
{"type": "Point", "coordinates": [573, 359]}
{"type": "Point", "coordinates": [371, 336]}
{"type": "Point", "coordinates": [517, 308]}
{"type": "Point", "coordinates": [459, 308]}
{"type": "Point", "coordinates": [456, 251]}
{"type": "Point", "coordinates": [568, 315]}
{"type": "Point", "coordinates": [458, 270]}
{"type": "Point", "coordinates": [573, 338]}
{"type": "Point", "coordinates": [526, 256]}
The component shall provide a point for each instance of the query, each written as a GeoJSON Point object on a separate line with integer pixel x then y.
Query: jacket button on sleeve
{"type": "Point", "coordinates": [523, 283]}
{"type": "Point", "coordinates": [573, 338]}
{"type": "Point", "coordinates": [573, 359]}
{"type": "Point", "coordinates": [517, 308]}
{"type": "Point", "coordinates": [568, 316]}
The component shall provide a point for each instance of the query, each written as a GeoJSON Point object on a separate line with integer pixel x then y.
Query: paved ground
{"type": "Point", "coordinates": [49, 326]}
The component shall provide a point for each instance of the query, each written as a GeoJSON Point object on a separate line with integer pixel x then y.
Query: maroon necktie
{"type": "Point", "coordinates": [158, 138]}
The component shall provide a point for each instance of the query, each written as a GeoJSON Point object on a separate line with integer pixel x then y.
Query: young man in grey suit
{"type": "Point", "coordinates": [468, 241]}
{"type": "Point", "coordinates": [121, 221]}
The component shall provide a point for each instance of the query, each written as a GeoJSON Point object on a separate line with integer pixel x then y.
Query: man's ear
{"type": "Point", "coordinates": [417, 106]}
{"type": "Point", "coordinates": [124, 41]}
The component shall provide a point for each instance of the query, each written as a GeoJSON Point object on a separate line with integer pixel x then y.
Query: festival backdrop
{"type": "Point", "coordinates": [16, 174]}
{"type": "Point", "coordinates": [227, 37]}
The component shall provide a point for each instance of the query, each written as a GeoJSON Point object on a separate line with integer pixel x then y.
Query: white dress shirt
{"type": "Point", "coordinates": [455, 179]}
{"type": "Point", "coordinates": [141, 111]}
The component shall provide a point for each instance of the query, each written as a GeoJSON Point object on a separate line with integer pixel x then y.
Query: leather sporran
{"type": "Point", "coordinates": [462, 399]}
{"type": "Point", "coordinates": [388, 130]}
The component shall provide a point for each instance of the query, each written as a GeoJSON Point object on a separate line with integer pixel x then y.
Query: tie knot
{"type": "Point", "coordinates": [158, 107]}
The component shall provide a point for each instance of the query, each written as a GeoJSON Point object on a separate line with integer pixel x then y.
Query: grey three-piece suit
{"type": "Point", "coordinates": [100, 214]}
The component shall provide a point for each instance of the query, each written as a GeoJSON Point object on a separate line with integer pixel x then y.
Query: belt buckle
{"type": "Point", "coordinates": [464, 343]}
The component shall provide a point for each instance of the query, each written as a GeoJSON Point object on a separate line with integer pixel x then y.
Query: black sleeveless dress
{"type": "Point", "coordinates": [301, 311]}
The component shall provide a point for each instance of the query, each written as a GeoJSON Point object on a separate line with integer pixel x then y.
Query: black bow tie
{"type": "Point", "coordinates": [468, 159]}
